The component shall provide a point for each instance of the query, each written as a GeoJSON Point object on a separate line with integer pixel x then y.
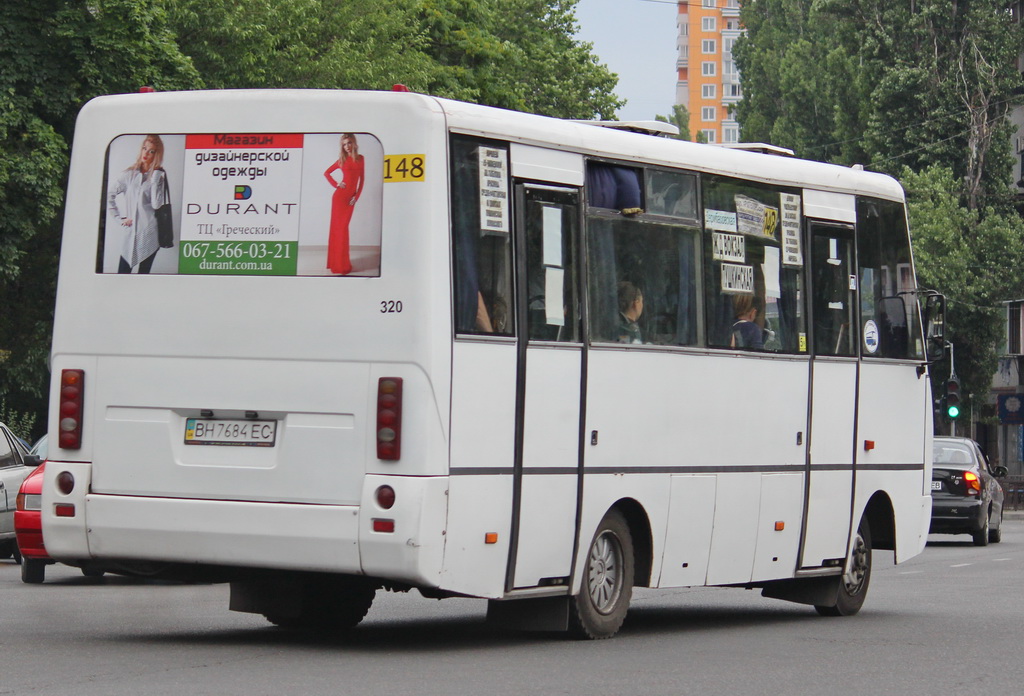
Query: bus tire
{"type": "Point", "coordinates": [853, 586]}
{"type": "Point", "coordinates": [601, 605]}
{"type": "Point", "coordinates": [327, 607]}
{"type": "Point", "coordinates": [33, 570]}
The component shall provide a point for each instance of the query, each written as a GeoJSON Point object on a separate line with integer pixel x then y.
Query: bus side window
{"type": "Point", "coordinates": [643, 281]}
{"type": "Point", "coordinates": [613, 187]}
{"type": "Point", "coordinates": [482, 257]}
{"type": "Point", "coordinates": [833, 290]}
{"type": "Point", "coordinates": [672, 194]}
{"type": "Point", "coordinates": [754, 293]}
{"type": "Point", "coordinates": [551, 225]}
{"type": "Point", "coordinates": [888, 288]}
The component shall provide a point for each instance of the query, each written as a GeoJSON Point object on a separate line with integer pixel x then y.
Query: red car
{"type": "Point", "coordinates": [28, 527]}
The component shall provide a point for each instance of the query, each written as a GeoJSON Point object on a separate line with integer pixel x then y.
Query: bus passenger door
{"type": "Point", "coordinates": [548, 411]}
{"type": "Point", "coordinates": [834, 378]}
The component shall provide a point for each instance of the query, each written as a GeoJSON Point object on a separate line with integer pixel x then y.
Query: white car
{"type": "Point", "coordinates": [13, 470]}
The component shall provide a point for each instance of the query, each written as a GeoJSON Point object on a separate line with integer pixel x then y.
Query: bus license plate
{"type": "Point", "coordinates": [936, 485]}
{"type": "Point", "coordinates": [214, 431]}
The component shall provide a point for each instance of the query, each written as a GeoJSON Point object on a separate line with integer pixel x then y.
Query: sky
{"type": "Point", "coordinates": [637, 40]}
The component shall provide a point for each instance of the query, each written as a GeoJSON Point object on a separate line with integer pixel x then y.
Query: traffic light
{"type": "Point", "coordinates": [952, 398]}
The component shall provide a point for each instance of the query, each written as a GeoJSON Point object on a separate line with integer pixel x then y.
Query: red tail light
{"type": "Point", "coordinates": [972, 483]}
{"type": "Point", "coordinates": [72, 384]}
{"type": "Point", "coordinates": [389, 418]}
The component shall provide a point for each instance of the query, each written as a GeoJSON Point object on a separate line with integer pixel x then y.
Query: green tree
{"type": "Point", "coordinates": [887, 84]}
{"type": "Point", "coordinates": [516, 54]}
{"type": "Point", "coordinates": [967, 255]}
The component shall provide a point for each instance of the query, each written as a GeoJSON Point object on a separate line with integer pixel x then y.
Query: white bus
{"type": "Point", "coordinates": [395, 341]}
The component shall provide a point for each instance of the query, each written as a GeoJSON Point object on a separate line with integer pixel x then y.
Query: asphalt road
{"type": "Point", "coordinates": [948, 622]}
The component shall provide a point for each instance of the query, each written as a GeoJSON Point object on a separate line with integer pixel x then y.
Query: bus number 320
{"type": "Point", "coordinates": [390, 306]}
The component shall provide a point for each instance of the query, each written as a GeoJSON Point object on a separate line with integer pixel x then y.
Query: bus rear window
{"type": "Point", "coordinates": [288, 204]}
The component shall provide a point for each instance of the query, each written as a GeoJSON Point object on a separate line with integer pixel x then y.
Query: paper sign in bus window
{"type": "Point", "coordinates": [720, 220]}
{"type": "Point", "coordinates": [551, 222]}
{"type": "Point", "coordinates": [554, 304]}
{"type": "Point", "coordinates": [737, 279]}
{"type": "Point", "coordinates": [790, 223]}
{"type": "Point", "coordinates": [494, 217]}
{"type": "Point", "coordinates": [756, 218]}
{"type": "Point", "coordinates": [770, 268]}
{"type": "Point", "coordinates": [728, 247]}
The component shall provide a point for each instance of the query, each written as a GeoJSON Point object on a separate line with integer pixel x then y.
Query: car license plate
{"type": "Point", "coordinates": [225, 431]}
{"type": "Point", "coordinates": [936, 485]}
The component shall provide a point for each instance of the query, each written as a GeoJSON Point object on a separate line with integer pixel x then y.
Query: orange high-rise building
{"type": "Point", "coordinates": [709, 84]}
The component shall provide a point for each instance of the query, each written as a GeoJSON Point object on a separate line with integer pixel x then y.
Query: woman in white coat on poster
{"type": "Point", "coordinates": [133, 200]}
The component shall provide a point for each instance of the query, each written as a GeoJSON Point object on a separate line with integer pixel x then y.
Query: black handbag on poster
{"type": "Point", "coordinates": [164, 226]}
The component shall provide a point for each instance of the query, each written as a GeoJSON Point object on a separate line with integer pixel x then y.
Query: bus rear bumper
{"type": "Point", "coordinates": [227, 533]}
{"type": "Point", "coordinates": [245, 534]}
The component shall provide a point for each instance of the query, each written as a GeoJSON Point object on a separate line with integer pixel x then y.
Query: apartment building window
{"type": "Point", "coordinates": [732, 4]}
{"type": "Point", "coordinates": [709, 135]}
{"type": "Point", "coordinates": [732, 25]}
{"type": "Point", "coordinates": [727, 44]}
{"type": "Point", "coordinates": [733, 90]}
{"type": "Point", "coordinates": [710, 3]}
{"type": "Point", "coordinates": [707, 113]}
{"type": "Point", "coordinates": [730, 135]}
{"type": "Point", "coordinates": [684, 29]}
{"type": "Point", "coordinates": [708, 91]}
{"type": "Point", "coordinates": [708, 69]}
{"type": "Point", "coordinates": [707, 46]}
{"type": "Point", "coordinates": [707, 24]}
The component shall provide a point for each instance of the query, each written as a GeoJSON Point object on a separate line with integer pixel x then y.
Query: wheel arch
{"type": "Point", "coordinates": [881, 520]}
{"type": "Point", "coordinates": [643, 543]}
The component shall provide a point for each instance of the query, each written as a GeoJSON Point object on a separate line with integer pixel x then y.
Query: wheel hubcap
{"type": "Point", "coordinates": [854, 577]}
{"type": "Point", "coordinates": [604, 575]}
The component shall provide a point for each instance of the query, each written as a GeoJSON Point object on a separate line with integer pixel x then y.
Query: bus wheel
{"type": "Point", "coordinates": [329, 607]}
{"type": "Point", "coordinates": [600, 608]}
{"type": "Point", "coordinates": [853, 587]}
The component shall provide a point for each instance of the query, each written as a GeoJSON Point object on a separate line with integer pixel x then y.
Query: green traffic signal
{"type": "Point", "coordinates": [952, 398]}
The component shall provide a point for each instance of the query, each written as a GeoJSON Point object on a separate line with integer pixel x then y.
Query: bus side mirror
{"type": "Point", "coordinates": [935, 326]}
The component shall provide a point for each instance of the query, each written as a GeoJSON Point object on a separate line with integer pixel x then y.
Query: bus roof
{"type": "Point", "coordinates": [587, 138]}
{"type": "Point", "coordinates": [582, 137]}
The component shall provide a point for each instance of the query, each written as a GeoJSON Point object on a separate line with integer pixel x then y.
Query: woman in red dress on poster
{"type": "Point", "coordinates": [343, 202]}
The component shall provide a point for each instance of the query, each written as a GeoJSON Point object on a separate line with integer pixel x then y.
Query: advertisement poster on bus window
{"type": "Point", "coordinates": [243, 204]}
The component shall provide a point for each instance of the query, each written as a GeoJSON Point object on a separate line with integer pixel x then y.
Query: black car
{"type": "Point", "coordinates": [966, 498]}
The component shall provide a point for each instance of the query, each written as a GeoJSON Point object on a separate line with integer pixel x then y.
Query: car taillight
{"type": "Point", "coordinates": [972, 483]}
{"type": "Point", "coordinates": [389, 418]}
{"type": "Point", "coordinates": [72, 384]}
{"type": "Point", "coordinates": [29, 501]}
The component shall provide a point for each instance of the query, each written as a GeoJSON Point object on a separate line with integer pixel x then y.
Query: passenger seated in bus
{"type": "Point", "coordinates": [492, 312]}
{"type": "Point", "coordinates": [746, 333]}
{"type": "Point", "coordinates": [631, 306]}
